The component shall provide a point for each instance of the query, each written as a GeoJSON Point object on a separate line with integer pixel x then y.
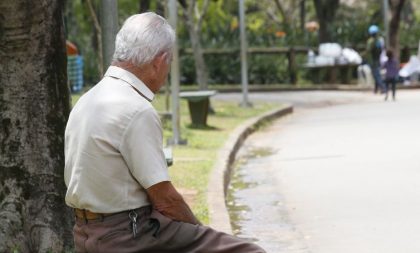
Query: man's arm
{"type": "Point", "coordinates": [166, 199]}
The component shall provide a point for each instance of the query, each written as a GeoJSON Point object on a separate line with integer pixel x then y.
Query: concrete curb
{"type": "Point", "coordinates": [320, 87]}
{"type": "Point", "coordinates": [220, 177]}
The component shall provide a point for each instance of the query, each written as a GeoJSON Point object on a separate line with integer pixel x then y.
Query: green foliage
{"type": "Point", "coordinates": [15, 249]}
{"type": "Point", "coordinates": [410, 27]}
{"type": "Point", "coordinates": [220, 29]}
{"type": "Point", "coordinates": [268, 69]}
{"type": "Point", "coordinates": [224, 68]}
{"type": "Point", "coordinates": [351, 25]}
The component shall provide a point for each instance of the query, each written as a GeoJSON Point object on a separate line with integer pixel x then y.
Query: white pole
{"type": "Point", "coordinates": [172, 5]}
{"type": "Point", "coordinates": [244, 65]}
{"type": "Point", "coordinates": [418, 51]}
{"type": "Point", "coordinates": [109, 27]}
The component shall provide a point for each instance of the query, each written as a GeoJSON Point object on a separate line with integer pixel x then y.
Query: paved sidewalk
{"type": "Point", "coordinates": [342, 178]}
{"type": "Point", "coordinates": [303, 99]}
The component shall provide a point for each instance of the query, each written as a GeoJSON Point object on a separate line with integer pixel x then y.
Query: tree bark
{"type": "Point", "coordinates": [194, 28]}
{"type": "Point", "coordinates": [283, 12]}
{"type": "Point", "coordinates": [34, 106]}
{"type": "Point", "coordinates": [98, 35]}
{"type": "Point", "coordinates": [325, 11]}
{"type": "Point", "coordinates": [302, 12]}
{"type": "Point", "coordinates": [394, 26]}
{"type": "Point", "coordinates": [160, 8]}
{"type": "Point", "coordinates": [144, 5]}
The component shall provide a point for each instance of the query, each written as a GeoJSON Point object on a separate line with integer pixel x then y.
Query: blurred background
{"type": "Point", "coordinates": [280, 33]}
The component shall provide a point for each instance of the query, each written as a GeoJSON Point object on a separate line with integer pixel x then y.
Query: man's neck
{"type": "Point", "coordinates": [141, 72]}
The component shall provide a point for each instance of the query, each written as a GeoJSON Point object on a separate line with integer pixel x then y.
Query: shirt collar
{"type": "Point", "coordinates": [130, 78]}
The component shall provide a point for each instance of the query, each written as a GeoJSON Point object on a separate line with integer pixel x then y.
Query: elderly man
{"type": "Point", "coordinates": [115, 170]}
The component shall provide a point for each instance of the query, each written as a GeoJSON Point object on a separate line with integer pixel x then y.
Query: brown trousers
{"type": "Point", "coordinates": [155, 233]}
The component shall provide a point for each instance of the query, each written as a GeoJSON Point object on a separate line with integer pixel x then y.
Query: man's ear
{"type": "Point", "coordinates": [159, 61]}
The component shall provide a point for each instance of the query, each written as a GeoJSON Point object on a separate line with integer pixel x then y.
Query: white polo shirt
{"type": "Point", "coordinates": [113, 146]}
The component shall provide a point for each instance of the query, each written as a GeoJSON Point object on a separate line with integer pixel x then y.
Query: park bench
{"type": "Point", "coordinates": [198, 104]}
{"type": "Point", "coordinates": [331, 74]}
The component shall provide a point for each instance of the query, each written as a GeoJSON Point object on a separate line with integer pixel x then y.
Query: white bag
{"type": "Point", "coordinates": [352, 56]}
{"type": "Point", "coordinates": [330, 50]}
{"type": "Point", "coordinates": [411, 67]}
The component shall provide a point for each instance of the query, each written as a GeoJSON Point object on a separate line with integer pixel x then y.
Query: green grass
{"type": "Point", "coordinates": [193, 162]}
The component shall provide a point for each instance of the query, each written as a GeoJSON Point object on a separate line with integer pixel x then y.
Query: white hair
{"type": "Point", "coordinates": [142, 38]}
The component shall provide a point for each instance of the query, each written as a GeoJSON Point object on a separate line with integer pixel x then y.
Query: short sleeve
{"type": "Point", "coordinates": [141, 147]}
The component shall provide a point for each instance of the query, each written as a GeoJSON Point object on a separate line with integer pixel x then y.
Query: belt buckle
{"type": "Point", "coordinates": [85, 216]}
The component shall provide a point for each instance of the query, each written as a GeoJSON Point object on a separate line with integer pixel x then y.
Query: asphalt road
{"type": "Point", "coordinates": [342, 174]}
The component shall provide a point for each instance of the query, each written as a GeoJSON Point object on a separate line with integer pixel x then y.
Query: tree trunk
{"type": "Point", "coordinates": [160, 8]}
{"type": "Point", "coordinates": [144, 6]}
{"type": "Point", "coordinates": [325, 11]}
{"type": "Point", "coordinates": [194, 34]}
{"type": "Point", "coordinates": [200, 65]}
{"type": "Point", "coordinates": [394, 26]}
{"type": "Point", "coordinates": [98, 36]}
{"type": "Point", "coordinates": [34, 106]}
{"type": "Point", "coordinates": [285, 14]}
{"type": "Point", "coordinates": [302, 10]}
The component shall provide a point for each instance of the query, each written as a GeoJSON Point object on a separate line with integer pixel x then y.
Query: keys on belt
{"type": "Point", "coordinates": [88, 215]}
{"type": "Point", "coordinates": [133, 217]}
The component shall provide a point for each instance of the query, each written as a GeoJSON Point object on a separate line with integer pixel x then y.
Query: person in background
{"type": "Point", "coordinates": [74, 67]}
{"type": "Point", "coordinates": [391, 76]}
{"type": "Point", "coordinates": [372, 55]}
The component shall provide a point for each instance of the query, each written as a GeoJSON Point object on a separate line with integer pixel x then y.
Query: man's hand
{"type": "Point", "coordinates": [169, 202]}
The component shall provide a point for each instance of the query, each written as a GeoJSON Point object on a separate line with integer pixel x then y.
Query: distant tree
{"type": "Point", "coordinates": [292, 18]}
{"type": "Point", "coordinates": [289, 13]}
{"type": "Point", "coordinates": [193, 18]}
{"type": "Point", "coordinates": [82, 31]}
{"type": "Point", "coordinates": [396, 7]}
{"type": "Point", "coordinates": [144, 5]}
{"type": "Point", "coordinates": [97, 35]}
{"type": "Point", "coordinates": [156, 6]}
{"type": "Point", "coordinates": [285, 13]}
{"type": "Point", "coordinates": [325, 11]}
{"type": "Point", "coordinates": [34, 106]}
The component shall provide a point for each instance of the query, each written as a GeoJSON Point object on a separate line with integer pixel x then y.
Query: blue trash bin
{"type": "Point", "coordinates": [75, 72]}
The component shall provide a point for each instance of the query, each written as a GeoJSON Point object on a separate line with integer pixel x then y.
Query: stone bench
{"type": "Point", "coordinates": [198, 104]}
